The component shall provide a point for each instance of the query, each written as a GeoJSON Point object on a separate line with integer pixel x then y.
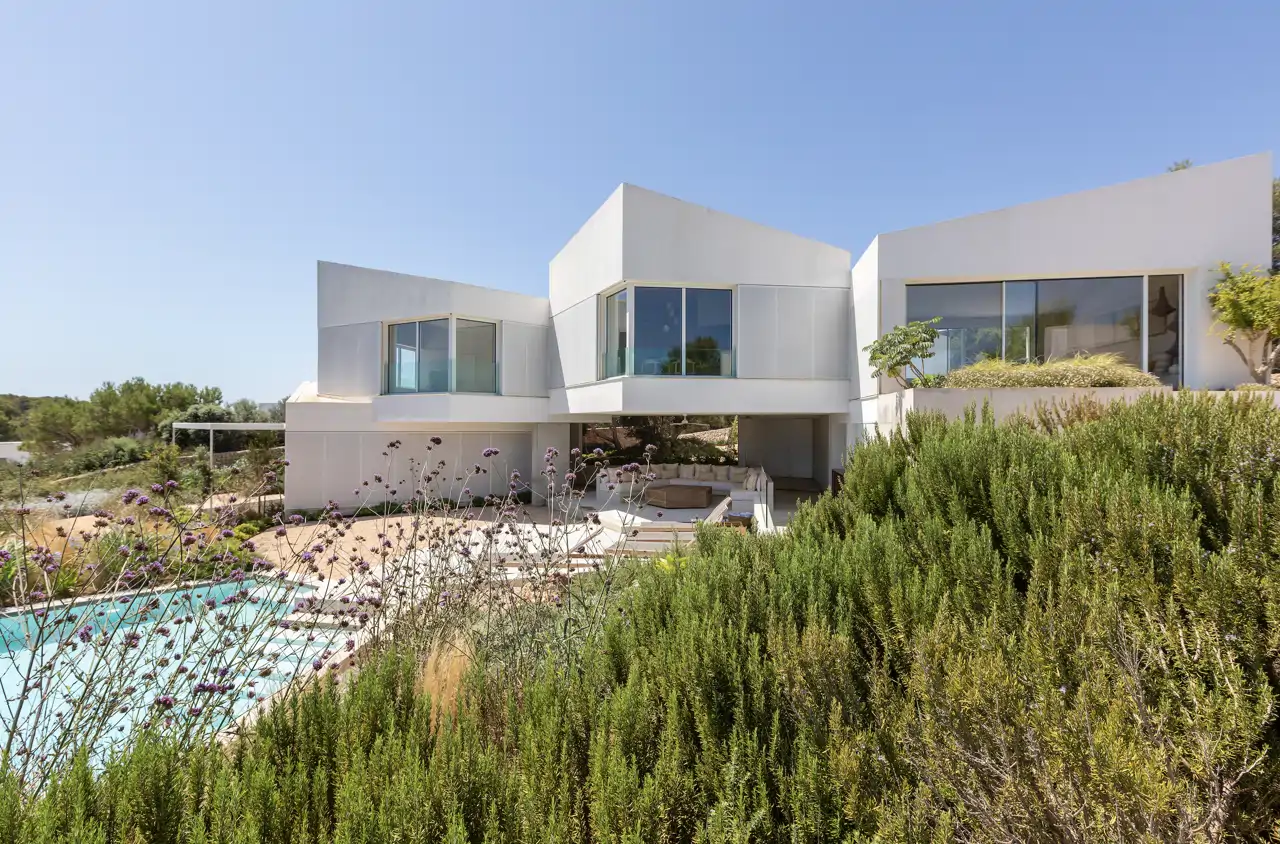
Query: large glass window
{"type": "Point", "coordinates": [615, 334]}
{"type": "Point", "coordinates": [477, 344]}
{"type": "Point", "coordinates": [433, 356]}
{"type": "Point", "coordinates": [672, 331]}
{"type": "Point", "coordinates": [969, 328]}
{"type": "Point", "coordinates": [1094, 315]}
{"type": "Point", "coordinates": [402, 376]}
{"type": "Point", "coordinates": [657, 331]}
{"type": "Point", "coordinates": [1164, 303]}
{"type": "Point", "coordinates": [433, 349]}
{"type": "Point", "coordinates": [1052, 318]}
{"type": "Point", "coordinates": [708, 332]}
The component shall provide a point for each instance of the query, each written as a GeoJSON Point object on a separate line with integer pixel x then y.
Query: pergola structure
{"type": "Point", "coordinates": [223, 426]}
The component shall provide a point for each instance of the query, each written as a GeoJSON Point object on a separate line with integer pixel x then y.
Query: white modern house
{"type": "Point", "coordinates": [657, 306]}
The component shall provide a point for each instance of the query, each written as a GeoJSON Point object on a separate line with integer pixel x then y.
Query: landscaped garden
{"type": "Point", "coordinates": [1015, 632]}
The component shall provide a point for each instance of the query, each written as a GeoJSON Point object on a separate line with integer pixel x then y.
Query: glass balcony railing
{"type": "Point", "coordinates": [715, 363]}
{"type": "Point", "coordinates": [454, 375]}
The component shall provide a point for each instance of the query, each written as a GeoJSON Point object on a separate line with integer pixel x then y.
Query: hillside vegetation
{"type": "Point", "coordinates": [994, 633]}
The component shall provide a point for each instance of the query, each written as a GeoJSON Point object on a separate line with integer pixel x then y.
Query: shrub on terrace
{"type": "Point", "coordinates": [1083, 371]}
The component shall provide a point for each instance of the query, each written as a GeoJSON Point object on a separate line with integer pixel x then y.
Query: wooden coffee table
{"type": "Point", "coordinates": [678, 496]}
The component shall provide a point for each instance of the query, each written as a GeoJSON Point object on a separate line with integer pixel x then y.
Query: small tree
{"type": "Point", "coordinates": [899, 350]}
{"type": "Point", "coordinates": [1246, 303]}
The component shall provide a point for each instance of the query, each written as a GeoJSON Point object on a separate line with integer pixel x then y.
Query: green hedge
{"type": "Point", "coordinates": [1082, 371]}
{"type": "Point", "coordinates": [993, 633]}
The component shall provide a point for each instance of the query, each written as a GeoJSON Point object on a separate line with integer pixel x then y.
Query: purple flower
{"type": "Point", "coordinates": [129, 496]}
{"type": "Point", "coordinates": [436, 441]}
{"type": "Point", "coordinates": [143, 500]}
{"type": "Point", "coordinates": [165, 702]}
{"type": "Point", "coordinates": [157, 488]}
{"type": "Point", "coordinates": [490, 452]}
{"type": "Point", "coordinates": [86, 633]}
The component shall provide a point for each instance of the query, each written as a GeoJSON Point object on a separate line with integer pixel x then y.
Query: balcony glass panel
{"type": "Point", "coordinates": [708, 332]}
{"type": "Point", "coordinates": [477, 357]}
{"type": "Point", "coordinates": [402, 368]}
{"type": "Point", "coordinates": [1020, 321]}
{"type": "Point", "coordinates": [433, 351]}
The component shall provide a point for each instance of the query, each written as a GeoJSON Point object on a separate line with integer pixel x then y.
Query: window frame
{"type": "Point", "coordinates": [1144, 309]}
{"type": "Point", "coordinates": [452, 318]}
{"type": "Point", "coordinates": [629, 357]}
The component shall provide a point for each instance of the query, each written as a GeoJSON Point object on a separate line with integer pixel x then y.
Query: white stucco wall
{"type": "Point", "coordinates": [668, 240]}
{"type": "Point", "coordinates": [591, 260]}
{"type": "Point", "coordinates": [349, 359]}
{"type": "Point", "coordinates": [659, 396]}
{"type": "Point", "coordinates": [346, 295]}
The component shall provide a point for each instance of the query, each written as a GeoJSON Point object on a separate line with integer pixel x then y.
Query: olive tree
{"type": "Point", "coordinates": [1246, 304]}
{"type": "Point", "coordinates": [899, 349]}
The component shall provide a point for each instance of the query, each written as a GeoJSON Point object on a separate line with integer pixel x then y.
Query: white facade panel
{"type": "Point", "coordinates": [864, 317]}
{"type": "Point", "coordinates": [348, 295]}
{"type": "Point", "coordinates": [668, 240]}
{"type": "Point", "coordinates": [592, 259]}
{"type": "Point", "coordinates": [792, 332]}
{"type": "Point", "coordinates": [524, 359]}
{"type": "Point", "coordinates": [349, 362]}
{"type": "Point", "coordinates": [575, 330]}
{"type": "Point", "coordinates": [334, 465]}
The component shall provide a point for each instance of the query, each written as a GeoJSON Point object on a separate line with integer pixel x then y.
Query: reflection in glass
{"type": "Point", "coordinates": [1164, 301]}
{"type": "Point", "coordinates": [433, 353]}
{"type": "Point", "coordinates": [477, 357]}
{"type": "Point", "coordinates": [969, 328]}
{"type": "Point", "coordinates": [1020, 321]}
{"type": "Point", "coordinates": [402, 374]}
{"type": "Point", "coordinates": [615, 335]}
{"type": "Point", "coordinates": [1089, 315]}
{"type": "Point", "coordinates": [657, 331]}
{"type": "Point", "coordinates": [708, 332]}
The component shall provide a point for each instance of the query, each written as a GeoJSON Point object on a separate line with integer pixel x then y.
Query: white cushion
{"type": "Point", "coordinates": [686, 471]}
{"type": "Point", "coordinates": [668, 471]}
{"type": "Point", "coordinates": [721, 473]}
{"type": "Point", "coordinates": [750, 483]}
{"type": "Point", "coordinates": [704, 473]}
{"type": "Point", "coordinates": [737, 475]}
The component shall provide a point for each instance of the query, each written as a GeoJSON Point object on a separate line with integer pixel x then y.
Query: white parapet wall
{"type": "Point", "coordinates": [1002, 403]}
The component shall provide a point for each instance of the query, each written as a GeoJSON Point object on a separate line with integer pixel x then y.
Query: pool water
{"type": "Point", "coordinates": [199, 655]}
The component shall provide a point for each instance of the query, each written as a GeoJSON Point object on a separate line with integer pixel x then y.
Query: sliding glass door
{"type": "Point", "coordinates": [1054, 318]}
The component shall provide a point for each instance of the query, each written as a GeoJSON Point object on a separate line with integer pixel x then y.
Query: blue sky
{"type": "Point", "coordinates": [170, 172]}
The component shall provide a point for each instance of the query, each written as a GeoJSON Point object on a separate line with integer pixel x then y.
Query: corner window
{"type": "Point", "coordinates": [675, 331]}
{"type": "Point", "coordinates": [444, 355]}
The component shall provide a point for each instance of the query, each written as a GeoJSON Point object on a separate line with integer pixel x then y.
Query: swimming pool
{"type": "Point", "coordinates": [190, 658]}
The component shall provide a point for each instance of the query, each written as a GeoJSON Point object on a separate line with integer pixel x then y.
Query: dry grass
{"type": "Point", "coordinates": [1082, 371]}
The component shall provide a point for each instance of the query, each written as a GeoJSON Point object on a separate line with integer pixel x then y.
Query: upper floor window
{"type": "Point", "coordinates": [443, 355]}
{"type": "Point", "coordinates": [656, 330]}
